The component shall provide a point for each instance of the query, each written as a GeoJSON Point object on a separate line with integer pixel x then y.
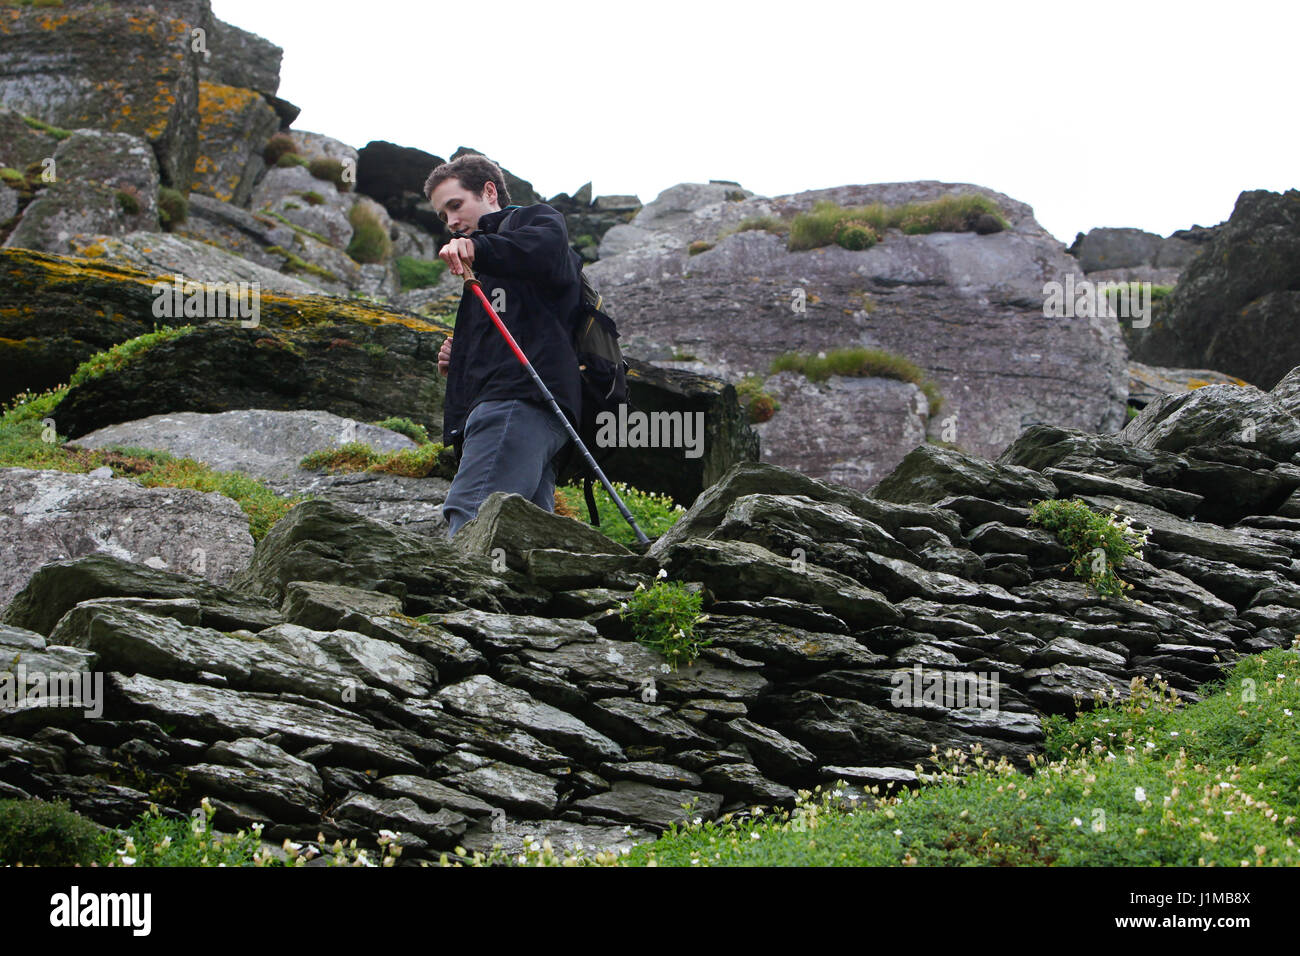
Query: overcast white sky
{"type": "Point", "coordinates": [1146, 114]}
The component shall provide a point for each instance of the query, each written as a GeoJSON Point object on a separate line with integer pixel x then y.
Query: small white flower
{"type": "Point", "coordinates": [1077, 822]}
{"type": "Point", "coordinates": [1173, 733]}
{"type": "Point", "coordinates": [753, 836]}
{"type": "Point", "coordinates": [898, 833]}
{"type": "Point", "coordinates": [663, 573]}
{"type": "Point", "coordinates": [1139, 794]}
{"type": "Point", "coordinates": [1150, 745]}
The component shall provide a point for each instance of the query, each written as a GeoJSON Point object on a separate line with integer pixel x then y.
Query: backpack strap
{"type": "Point", "coordinates": [591, 501]}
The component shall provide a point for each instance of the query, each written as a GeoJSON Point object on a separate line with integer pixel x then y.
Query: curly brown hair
{"type": "Point", "coordinates": [474, 172]}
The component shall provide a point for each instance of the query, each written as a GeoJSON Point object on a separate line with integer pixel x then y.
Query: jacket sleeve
{"type": "Point", "coordinates": [536, 250]}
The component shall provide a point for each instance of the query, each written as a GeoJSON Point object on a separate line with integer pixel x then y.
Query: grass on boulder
{"type": "Point", "coordinates": [862, 362]}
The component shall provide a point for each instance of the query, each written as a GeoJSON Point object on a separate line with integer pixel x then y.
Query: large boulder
{"type": "Point", "coordinates": [1236, 307]}
{"type": "Point", "coordinates": [124, 67]}
{"type": "Point", "coordinates": [55, 516]}
{"type": "Point", "coordinates": [967, 309]}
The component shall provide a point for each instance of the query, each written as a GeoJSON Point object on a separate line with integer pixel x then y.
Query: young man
{"type": "Point", "coordinates": [506, 434]}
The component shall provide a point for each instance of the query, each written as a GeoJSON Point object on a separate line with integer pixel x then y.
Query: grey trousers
{"type": "Point", "coordinates": [509, 446]}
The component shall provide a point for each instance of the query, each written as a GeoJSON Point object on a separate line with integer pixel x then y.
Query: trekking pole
{"type": "Point", "coordinates": [472, 281]}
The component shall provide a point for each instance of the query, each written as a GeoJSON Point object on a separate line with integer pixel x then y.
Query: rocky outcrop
{"type": "Point", "coordinates": [1236, 307]}
{"type": "Point", "coordinates": [53, 515]}
{"type": "Point", "coordinates": [967, 309]}
{"type": "Point", "coordinates": [1134, 255]}
{"type": "Point", "coordinates": [122, 67]}
{"type": "Point", "coordinates": [356, 677]}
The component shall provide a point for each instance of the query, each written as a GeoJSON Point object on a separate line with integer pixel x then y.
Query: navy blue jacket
{"type": "Point", "coordinates": [531, 271]}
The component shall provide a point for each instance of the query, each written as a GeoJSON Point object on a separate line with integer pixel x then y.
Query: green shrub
{"type": "Point", "coordinates": [854, 235]}
{"type": "Point", "coordinates": [1098, 543]}
{"type": "Point", "coordinates": [861, 362]}
{"type": "Point", "coordinates": [654, 513]}
{"type": "Point", "coordinates": [419, 273]}
{"type": "Point", "coordinates": [370, 240]}
{"type": "Point", "coordinates": [281, 144]}
{"type": "Point", "coordinates": [330, 170]}
{"type": "Point", "coordinates": [663, 618]}
{"type": "Point", "coordinates": [759, 404]}
{"type": "Point", "coordinates": [173, 207]}
{"type": "Point", "coordinates": [36, 833]}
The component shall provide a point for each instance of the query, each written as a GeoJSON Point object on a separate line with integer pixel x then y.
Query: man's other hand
{"type": "Point", "coordinates": [456, 252]}
{"type": "Point", "coordinates": [444, 356]}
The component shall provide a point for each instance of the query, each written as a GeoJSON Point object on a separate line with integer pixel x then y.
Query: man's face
{"type": "Point", "coordinates": [459, 208]}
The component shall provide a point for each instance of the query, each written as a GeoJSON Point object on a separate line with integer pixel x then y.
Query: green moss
{"type": "Point", "coordinates": [759, 405]}
{"type": "Point", "coordinates": [56, 132]}
{"type": "Point", "coordinates": [127, 202]}
{"type": "Point", "coordinates": [119, 355]}
{"type": "Point", "coordinates": [295, 263]}
{"type": "Point", "coordinates": [698, 246]}
{"type": "Point", "coordinates": [421, 462]}
{"type": "Point", "coordinates": [312, 197]}
{"type": "Point", "coordinates": [412, 430]}
{"type": "Point", "coordinates": [291, 159]}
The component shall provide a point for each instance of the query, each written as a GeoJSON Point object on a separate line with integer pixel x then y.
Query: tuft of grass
{"type": "Point", "coordinates": [312, 197]}
{"type": "Point", "coordinates": [654, 513]}
{"type": "Point", "coordinates": [419, 273]}
{"type": "Point", "coordinates": [128, 201]}
{"type": "Point", "coordinates": [43, 127]}
{"type": "Point", "coordinates": [330, 170]}
{"type": "Point", "coordinates": [370, 240]}
{"type": "Point", "coordinates": [173, 207]}
{"type": "Point", "coordinates": [828, 223]}
{"type": "Point", "coordinates": [296, 263]}
{"type": "Point", "coordinates": [862, 362]}
{"type": "Point", "coordinates": [281, 144]}
{"type": "Point", "coordinates": [291, 159]}
{"type": "Point", "coordinates": [421, 462]}
{"type": "Point", "coordinates": [698, 246]}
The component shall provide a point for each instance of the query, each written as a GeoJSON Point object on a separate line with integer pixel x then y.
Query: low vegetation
{"type": "Point", "coordinates": [860, 227]}
{"type": "Point", "coordinates": [419, 273]}
{"type": "Point", "coordinates": [663, 618]}
{"type": "Point", "coordinates": [29, 439]}
{"type": "Point", "coordinates": [654, 513]}
{"type": "Point", "coordinates": [861, 362]}
{"type": "Point", "coordinates": [173, 207]}
{"type": "Point", "coordinates": [1098, 544]}
{"type": "Point", "coordinates": [758, 404]}
{"type": "Point", "coordinates": [370, 240]}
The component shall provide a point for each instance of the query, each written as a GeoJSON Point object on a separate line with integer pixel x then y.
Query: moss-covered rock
{"type": "Point", "coordinates": [234, 125]}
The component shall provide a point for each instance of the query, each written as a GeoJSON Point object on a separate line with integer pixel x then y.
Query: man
{"type": "Point", "coordinates": [506, 434]}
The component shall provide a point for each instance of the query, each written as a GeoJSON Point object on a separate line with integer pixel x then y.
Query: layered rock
{"type": "Point", "coordinates": [357, 677]}
{"type": "Point", "coordinates": [1236, 305]}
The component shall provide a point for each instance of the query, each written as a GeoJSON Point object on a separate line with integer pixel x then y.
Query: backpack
{"type": "Point", "coordinates": [604, 388]}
